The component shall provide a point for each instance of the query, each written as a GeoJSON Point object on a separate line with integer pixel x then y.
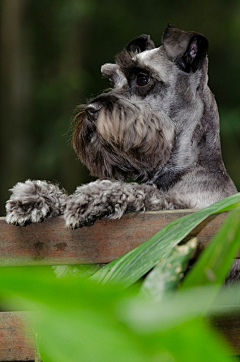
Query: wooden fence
{"type": "Point", "coordinates": [51, 243]}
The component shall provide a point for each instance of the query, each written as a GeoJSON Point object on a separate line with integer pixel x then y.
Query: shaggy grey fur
{"type": "Point", "coordinates": [112, 199]}
{"type": "Point", "coordinates": [158, 125]}
{"type": "Point", "coordinates": [33, 201]}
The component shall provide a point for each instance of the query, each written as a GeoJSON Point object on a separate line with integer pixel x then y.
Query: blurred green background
{"type": "Point", "coordinates": [51, 54]}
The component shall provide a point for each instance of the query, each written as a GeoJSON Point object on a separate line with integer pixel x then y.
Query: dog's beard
{"type": "Point", "coordinates": [126, 142]}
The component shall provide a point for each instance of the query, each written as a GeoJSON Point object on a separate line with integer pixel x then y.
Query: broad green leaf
{"type": "Point", "coordinates": [214, 263]}
{"type": "Point", "coordinates": [150, 316]}
{"type": "Point", "coordinates": [85, 334]}
{"type": "Point", "coordinates": [205, 344]}
{"type": "Point", "coordinates": [192, 340]}
{"type": "Point", "coordinates": [77, 319]}
{"type": "Point", "coordinates": [39, 285]}
{"type": "Point", "coordinates": [128, 268]}
{"type": "Point", "coordinates": [92, 335]}
{"type": "Point", "coordinates": [166, 275]}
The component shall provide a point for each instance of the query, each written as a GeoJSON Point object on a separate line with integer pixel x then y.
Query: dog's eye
{"type": "Point", "coordinates": [143, 79]}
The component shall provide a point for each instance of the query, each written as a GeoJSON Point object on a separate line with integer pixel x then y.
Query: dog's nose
{"type": "Point", "coordinates": [92, 110]}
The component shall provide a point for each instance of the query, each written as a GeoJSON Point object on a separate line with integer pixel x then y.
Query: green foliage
{"type": "Point", "coordinates": [133, 265]}
{"type": "Point", "coordinates": [168, 271]}
{"type": "Point", "coordinates": [99, 319]}
{"type": "Point", "coordinates": [216, 260]}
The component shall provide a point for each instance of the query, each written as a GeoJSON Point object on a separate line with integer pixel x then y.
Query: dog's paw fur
{"type": "Point", "coordinates": [33, 201]}
{"type": "Point", "coordinates": [102, 198]}
{"type": "Point", "coordinates": [111, 199]}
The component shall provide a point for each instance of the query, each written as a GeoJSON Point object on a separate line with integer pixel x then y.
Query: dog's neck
{"type": "Point", "coordinates": [189, 152]}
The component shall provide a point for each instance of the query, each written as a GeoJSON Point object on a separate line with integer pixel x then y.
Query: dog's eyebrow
{"type": "Point", "coordinates": [126, 61]}
{"type": "Point", "coordinates": [130, 61]}
{"type": "Point", "coordinates": [109, 69]}
{"type": "Point", "coordinates": [113, 72]}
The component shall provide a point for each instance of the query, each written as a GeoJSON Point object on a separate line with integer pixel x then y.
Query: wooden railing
{"type": "Point", "coordinates": [51, 243]}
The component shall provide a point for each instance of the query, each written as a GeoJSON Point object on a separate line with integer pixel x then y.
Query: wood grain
{"type": "Point", "coordinates": [50, 242]}
{"type": "Point", "coordinates": [16, 342]}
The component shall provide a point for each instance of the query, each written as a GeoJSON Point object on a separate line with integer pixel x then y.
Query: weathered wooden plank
{"type": "Point", "coordinates": [16, 342]}
{"type": "Point", "coordinates": [50, 242]}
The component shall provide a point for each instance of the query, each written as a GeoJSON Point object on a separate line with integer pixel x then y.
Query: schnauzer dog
{"type": "Point", "coordinates": [157, 126]}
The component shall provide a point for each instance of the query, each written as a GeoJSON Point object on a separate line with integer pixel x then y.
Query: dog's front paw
{"type": "Point", "coordinates": [102, 198]}
{"type": "Point", "coordinates": [33, 201]}
{"type": "Point", "coordinates": [87, 204]}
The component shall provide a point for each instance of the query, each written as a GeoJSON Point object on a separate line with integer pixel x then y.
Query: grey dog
{"type": "Point", "coordinates": [158, 127]}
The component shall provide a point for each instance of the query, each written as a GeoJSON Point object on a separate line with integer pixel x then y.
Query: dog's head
{"type": "Point", "coordinates": [128, 132]}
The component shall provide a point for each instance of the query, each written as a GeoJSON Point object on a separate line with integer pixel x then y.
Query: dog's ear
{"type": "Point", "coordinates": [140, 44]}
{"type": "Point", "coordinates": [187, 49]}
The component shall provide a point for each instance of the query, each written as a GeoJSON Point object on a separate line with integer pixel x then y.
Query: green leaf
{"type": "Point", "coordinates": [215, 261]}
{"type": "Point", "coordinates": [87, 334]}
{"type": "Point", "coordinates": [150, 316]}
{"type": "Point", "coordinates": [192, 340]}
{"type": "Point", "coordinates": [128, 268]}
{"type": "Point", "coordinates": [77, 319]}
{"type": "Point", "coordinates": [169, 271]}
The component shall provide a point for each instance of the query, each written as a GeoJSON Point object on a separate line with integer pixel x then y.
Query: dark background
{"type": "Point", "coordinates": [51, 54]}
